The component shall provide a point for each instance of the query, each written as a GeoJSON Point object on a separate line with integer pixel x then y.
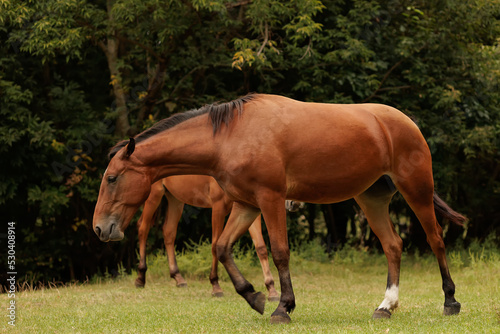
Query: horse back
{"type": "Point", "coordinates": [330, 152]}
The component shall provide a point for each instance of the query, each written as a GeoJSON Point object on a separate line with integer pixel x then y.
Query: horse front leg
{"type": "Point", "coordinates": [144, 225]}
{"type": "Point", "coordinates": [274, 213]}
{"type": "Point", "coordinates": [143, 231]}
{"type": "Point", "coordinates": [261, 249]}
{"type": "Point", "coordinates": [174, 213]}
{"type": "Point", "coordinates": [240, 219]}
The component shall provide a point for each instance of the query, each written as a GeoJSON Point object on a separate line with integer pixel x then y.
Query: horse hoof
{"type": "Point", "coordinates": [280, 319]}
{"type": "Point", "coordinates": [218, 294]}
{"type": "Point", "coordinates": [273, 298]}
{"type": "Point", "coordinates": [182, 285]}
{"type": "Point", "coordinates": [139, 283]}
{"type": "Point", "coordinates": [381, 313]}
{"type": "Point", "coordinates": [259, 302]}
{"type": "Point", "coordinates": [452, 309]}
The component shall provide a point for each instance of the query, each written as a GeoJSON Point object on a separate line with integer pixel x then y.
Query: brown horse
{"type": "Point", "coordinates": [263, 149]}
{"type": "Point", "coordinates": [201, 191]}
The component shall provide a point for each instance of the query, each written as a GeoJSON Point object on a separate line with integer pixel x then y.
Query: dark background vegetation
{"type": "Point", "coordinates": [76, 76]}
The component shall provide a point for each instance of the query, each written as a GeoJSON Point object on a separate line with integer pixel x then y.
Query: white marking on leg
{"type": "Point", "coordinates": [391, 298]}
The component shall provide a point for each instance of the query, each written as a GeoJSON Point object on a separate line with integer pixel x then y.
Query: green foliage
{"type": "Point", "coordinates": [310, 251]}
{"type": "Point", "coordinates": [77, 76]}
{"type": "Point", "coordinates": [195, 261]}
{"type": "Point", "coordinates": [289, 24]}
{"type": "Point", "coordinates": [477, 253]}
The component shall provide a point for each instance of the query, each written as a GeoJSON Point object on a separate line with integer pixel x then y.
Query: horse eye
{"type": "Point", "coordinates": [111, 179]}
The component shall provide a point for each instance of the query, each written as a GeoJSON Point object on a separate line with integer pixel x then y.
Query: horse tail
{"type": "Point", "coordinates": [445, 211]}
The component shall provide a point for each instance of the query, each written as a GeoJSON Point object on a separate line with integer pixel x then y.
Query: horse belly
{"type": "Point", "coordinates": [332, 181]}
{"type": "Point", "coordinates": [335, 163]}
{"type": "Point", "coordinates": [328, 190]}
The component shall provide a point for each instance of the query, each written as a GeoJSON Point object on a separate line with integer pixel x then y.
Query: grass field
{"type": "Point", "coordinates": [333, 296]}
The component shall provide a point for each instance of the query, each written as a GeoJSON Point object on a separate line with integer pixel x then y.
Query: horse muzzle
{"type": "Point", "coordinates": [108, 231]}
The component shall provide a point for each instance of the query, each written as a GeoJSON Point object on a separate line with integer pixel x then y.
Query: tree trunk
{"type": "Point", "coordinates": [122, 123]}
{"type": "Point", "coordinates": [111, 51]}
{"type": "Point", "coordinates": [155, 85]}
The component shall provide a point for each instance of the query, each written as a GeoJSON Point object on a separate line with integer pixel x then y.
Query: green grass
{"type": "Point", "coordinates": [333, 296]}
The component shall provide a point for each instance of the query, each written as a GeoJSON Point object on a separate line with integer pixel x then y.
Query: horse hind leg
{"type": "Point", "coordinates": [418, 191]}
{"type": "Point", "coordinates": [375, 204]}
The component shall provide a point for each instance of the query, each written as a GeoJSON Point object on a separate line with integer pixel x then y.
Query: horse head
{"type": "Point", "coordinates": [125, 186]}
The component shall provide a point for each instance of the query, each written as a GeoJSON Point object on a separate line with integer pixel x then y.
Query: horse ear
{"type": "Point", "coordinates": [130, 147]}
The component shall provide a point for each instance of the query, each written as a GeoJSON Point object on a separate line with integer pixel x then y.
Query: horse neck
{"type": "Point", "coordinates": [186, 149]}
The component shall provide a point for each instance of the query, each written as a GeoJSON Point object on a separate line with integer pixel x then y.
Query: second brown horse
{"type": "Point", "coordinates": [204, 192]}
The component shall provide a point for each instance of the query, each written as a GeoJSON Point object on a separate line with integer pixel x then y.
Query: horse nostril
{"type": "Point", "coordinates": [97, 231]}
{"type": "Point", "coordinates": [111, 229]}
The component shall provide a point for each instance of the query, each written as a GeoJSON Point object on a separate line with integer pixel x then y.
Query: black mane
{"type": "Point", "coordinates": [218, 114]}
